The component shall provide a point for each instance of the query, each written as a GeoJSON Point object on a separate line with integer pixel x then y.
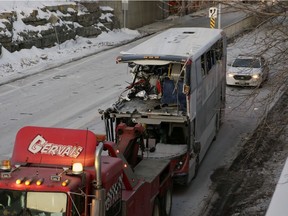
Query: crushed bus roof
{"type": "Point", "coordinates": [175, 42]}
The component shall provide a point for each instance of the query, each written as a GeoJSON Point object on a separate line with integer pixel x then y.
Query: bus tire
{"type": "Point", "coordinates": [156, 207]}
{"type": "Point", "coordinates": [166, 202]}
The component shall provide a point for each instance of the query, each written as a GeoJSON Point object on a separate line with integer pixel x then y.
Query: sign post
{"type": "Point", "coordinates": [53, 19]}
{"type": "Point", "coordinates": [219, 17]}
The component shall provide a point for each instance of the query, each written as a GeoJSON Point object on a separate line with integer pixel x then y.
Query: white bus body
{"type": "Point", "coordinates": [177, 92]}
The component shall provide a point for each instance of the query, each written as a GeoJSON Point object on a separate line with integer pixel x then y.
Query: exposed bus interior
{"type": "Point", "coordinates": [156, 89]}
{"type": "Point", "coordinates": [156, 98]}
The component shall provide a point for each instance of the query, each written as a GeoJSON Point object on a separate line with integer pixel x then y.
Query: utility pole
{"type": "Point", "coordinates": [219, 16]}
{"type": "Point", "coordinates": [125, 9]}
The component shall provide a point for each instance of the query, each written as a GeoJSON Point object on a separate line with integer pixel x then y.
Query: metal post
{"type": "Point", "coordinates": [53, 19]}
{"type": "Point", "coordinates": [183, 8]}
{"type": "Point", "coordinates": [56, 36]}
{"type": "Point", "coordinates": [98, 202]}
{"type": "Point", "coordinates": [124, 8]}
{"type": "Point", "coordinates": [219, 17]}
{"type": "Point", "coordinates": [124, 19]}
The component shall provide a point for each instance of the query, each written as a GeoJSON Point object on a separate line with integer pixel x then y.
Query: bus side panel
{"type": "Point", "coordinates": [210, 96]}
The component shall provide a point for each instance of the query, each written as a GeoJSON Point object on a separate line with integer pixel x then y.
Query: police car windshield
{"type": "Point", "coordinates": [250, 63]}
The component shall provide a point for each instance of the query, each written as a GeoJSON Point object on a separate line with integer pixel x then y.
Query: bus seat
{"type": "Point", "coordinates": [170, 94]}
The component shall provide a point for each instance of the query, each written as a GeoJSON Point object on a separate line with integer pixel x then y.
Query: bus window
{"type": "Point", "coordinates": [203, 66]}
{"type": "Point", "coordinates": [199, 71]}
{"type": "Point", "coordinates": [208, 61]}
{"type": "Point", "coordinates": [219, 50]}
{"type": "Point", "coordinates": [193, 77]}
{"type": "Point", "coordinates": [213, 57]}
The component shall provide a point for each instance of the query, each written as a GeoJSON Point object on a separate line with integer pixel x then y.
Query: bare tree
{"type": "Point", "coordinates": [246, 186]}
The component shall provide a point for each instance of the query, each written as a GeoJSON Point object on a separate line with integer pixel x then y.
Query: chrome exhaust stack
{"type": "Point", "coordinates": [98, 201]}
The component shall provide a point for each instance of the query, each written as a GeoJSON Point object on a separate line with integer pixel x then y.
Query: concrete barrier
{"type": "Point", "coordinates": [236, 28]}
{"type": "Point", "coordinates": [137, 13]}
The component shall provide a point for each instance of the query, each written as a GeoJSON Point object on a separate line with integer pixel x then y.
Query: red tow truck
{"type": "Point", "coordinates": [57, 172]}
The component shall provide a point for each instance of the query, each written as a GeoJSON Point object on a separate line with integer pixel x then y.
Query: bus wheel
{"type": "Point", "coordinates": [166, 202]}
{"type": "Point", "coordinates": [156, 207]}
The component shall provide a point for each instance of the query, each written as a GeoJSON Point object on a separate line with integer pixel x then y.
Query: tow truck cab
{"type": "Point", "coordinates": [57, 172]}
{"type": "Point", "coordinates": [53, 172]}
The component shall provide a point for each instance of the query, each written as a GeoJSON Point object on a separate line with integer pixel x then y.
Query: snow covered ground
{"type": "Point", "coordinates": [29, 61]}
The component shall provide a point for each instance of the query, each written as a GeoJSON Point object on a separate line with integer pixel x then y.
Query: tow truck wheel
{"type": "Point", "coordinates": [166, 203]}
{"type": "Point", "coordinates": [156, 207]}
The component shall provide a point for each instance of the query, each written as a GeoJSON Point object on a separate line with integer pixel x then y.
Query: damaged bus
{"type": "Point", "coordinates": [177, 92]}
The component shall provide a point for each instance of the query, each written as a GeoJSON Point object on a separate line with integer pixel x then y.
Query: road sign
{"type": "Point", "coordinates": [213, 12]}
